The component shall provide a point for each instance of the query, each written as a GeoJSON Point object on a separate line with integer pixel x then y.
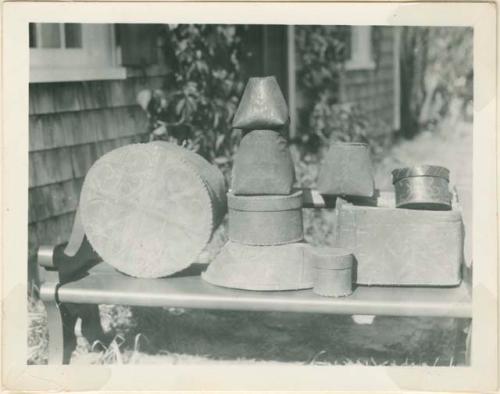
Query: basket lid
{"type": "Point", "coordinates": [261, 106]}
{"type": "Point", "coordinates": [330, 258]}
{"type": "Point", "coordinates": [421, 170]}
{"type": "Point", "coordinates": [264, 203]}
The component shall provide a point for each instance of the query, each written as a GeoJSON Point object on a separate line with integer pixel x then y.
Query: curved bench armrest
{"type": "Point", "coordinates": [45, 256]}
{"type": "Point", "coordinates": [467, 277]}
{"type": "Point", "coordinates": [47, 268]}
{"type": "Point", "coordinates": [59, 267]}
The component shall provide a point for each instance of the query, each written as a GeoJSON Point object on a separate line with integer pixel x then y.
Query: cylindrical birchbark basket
{"type": "Point", "coordinates": [263, 165]}
{"type": "Point", "coordinates": [422, 187]}
{"type": "Point", "coordinates": [332, 271]}
{"type": "Point", "coordinates": [346, 170]}
{"type": "Point", "coordinates": [150, 209]}
{"type": "Point", "coordinates": [265, 220]}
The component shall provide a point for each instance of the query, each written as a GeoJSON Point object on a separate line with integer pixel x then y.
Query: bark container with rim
{"type": "Point", "coordinates": [422, 187]}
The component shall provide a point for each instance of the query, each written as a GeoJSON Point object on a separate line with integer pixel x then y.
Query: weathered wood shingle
{"type": "Point", "coordinates": [46, 132]}
{"type": "Point", "coordinates": [47, 98]}
{"type": "Point", "coordinates": [54, 199]}
{"type": "Point", "coordinates": [67, 129]}
{"type": "Point", "coordinates": [50, 166]}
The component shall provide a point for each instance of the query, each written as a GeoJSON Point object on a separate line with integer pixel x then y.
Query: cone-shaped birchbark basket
{"type": "Point", "coordinates": [262, 268]}
{"type": "Point", "coordinates": [347, 170]}
{"type": "Point", "coordinates": [150, 209]}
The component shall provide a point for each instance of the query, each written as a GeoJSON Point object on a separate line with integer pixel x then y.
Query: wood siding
{"type": "Point", "coordinates": [373, 89]}
{"type": "Point", "coordinates": [71, 125]}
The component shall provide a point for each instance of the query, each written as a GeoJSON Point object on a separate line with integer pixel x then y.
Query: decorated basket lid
{"type": "Point", "coordinates": [265, 202]}
{"type": "Point", "coordinates": [421, 170]}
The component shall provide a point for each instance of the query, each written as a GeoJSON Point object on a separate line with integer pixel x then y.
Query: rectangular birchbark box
{"type": "Point", "coordinates": [403, 247]}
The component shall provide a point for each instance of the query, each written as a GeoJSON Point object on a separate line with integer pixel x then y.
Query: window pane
{"type": "Point", "coordinates": [73, 35]}
{"type": "Point", "coordinates": [51, 35]}
{"type": "Point", "coordinates": [32, 28]}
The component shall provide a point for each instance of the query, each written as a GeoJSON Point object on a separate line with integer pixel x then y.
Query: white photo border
{"type": "Point", "coordinates": [16, 375]}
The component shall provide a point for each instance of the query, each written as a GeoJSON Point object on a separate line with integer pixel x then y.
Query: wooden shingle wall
{"type": "Point", "coordinates": [373, 89]}
{"type": "Point", "coordinates": [70, 126]}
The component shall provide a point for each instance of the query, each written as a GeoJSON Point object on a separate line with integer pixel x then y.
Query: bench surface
{"type": "Point", "coordinates": [104, 285]}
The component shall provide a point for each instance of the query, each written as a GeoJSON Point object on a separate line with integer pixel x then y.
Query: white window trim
{"type": "Point", "coordinates": [110, 69]}
{"type": "Point", "coordinates": [76, 74]}
{"type": "Point", "coordinates": [361, 54]}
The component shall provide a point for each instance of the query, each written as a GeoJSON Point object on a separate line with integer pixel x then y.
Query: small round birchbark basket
{"type": "Point", "coordinates": [422, 187]}
{"type": "Point", "coordinates": [332, 271]}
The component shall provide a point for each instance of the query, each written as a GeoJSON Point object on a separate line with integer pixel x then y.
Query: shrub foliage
{"type": "Point", "coordinates": [201, 92]}
{"type": "Point", "coordinates": [321, 55]}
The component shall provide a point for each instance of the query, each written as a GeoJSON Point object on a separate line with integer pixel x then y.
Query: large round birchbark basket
{"type": "Point", "coordinates": [150, 209]}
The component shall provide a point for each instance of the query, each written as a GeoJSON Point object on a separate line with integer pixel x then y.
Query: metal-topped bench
{"type": "Point", "coordinates": [84, 280]}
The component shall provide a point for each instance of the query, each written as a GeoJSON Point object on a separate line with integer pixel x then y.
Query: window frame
{"type": "Point", "coordinates": [98, 59]}
{"type": "Point", "coordinates": [361, 49]}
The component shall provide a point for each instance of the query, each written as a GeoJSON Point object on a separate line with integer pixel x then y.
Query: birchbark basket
{"type": "Point", "coordinates": [422, 187]}
{"type": "Point", "coordinates": [265, 220]}
{"type": "Point", "coordinates": [150, 209]}
{"type": "Point", "coordinates": [261, 268]}
{"type": "Point", "coordinates": [347, 170]}
{"type": "Point", "coordinates": [402, 247]}
{"type": "Point", "coordinates": [333, 271]}
{"type": "Point", "coordinates": [263, 165]}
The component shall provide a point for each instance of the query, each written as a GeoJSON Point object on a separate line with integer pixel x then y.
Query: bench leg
{"type": "Point", "coordinates": [468, 341]}
{"type": "Point", "coordinates": [463, 332]}
{"type": "Point", "coordinates": [61, 320]}
{"type": "Point", "coordinates": [91, 322]}
{"type": "Point", "coordinates": [62, 339]}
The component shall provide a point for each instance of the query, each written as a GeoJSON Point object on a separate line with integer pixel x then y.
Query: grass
{"type": "Point", "coordinates": [177, 336]}
{"type": "Point", "coordinates": [37, 332]}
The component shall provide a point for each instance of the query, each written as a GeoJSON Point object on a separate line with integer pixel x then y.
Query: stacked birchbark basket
{"type": "Point", "coordinates": [265, 249]}
{"type": "Point", "coordinates": [150, 209]}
